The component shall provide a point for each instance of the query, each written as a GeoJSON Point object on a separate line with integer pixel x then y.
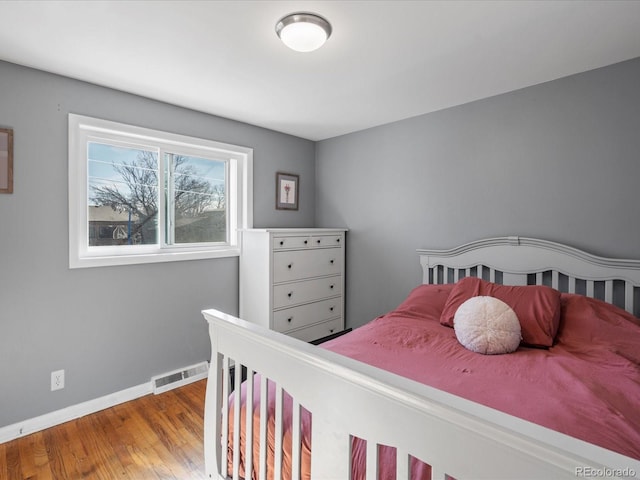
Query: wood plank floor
{"type": "Point", "coordinates": [156, 436]}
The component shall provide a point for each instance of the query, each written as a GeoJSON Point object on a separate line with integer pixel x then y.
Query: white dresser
{"type": "Point", "coordinates": [292, 280]}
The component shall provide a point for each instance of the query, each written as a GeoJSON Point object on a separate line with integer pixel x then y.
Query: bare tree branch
{"type": "Point", "coordinates": [139, 194]}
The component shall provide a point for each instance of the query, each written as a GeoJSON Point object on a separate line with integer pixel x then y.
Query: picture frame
{"type": "Point", "coordinates": [6, 160]}
{"type": "Point", "coordinates": [287, 191]}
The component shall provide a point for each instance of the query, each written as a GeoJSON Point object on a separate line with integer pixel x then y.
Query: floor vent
{"type": "Point", "coordinates": [177, 378]}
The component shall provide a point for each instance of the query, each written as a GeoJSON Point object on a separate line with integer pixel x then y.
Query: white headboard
{"type": "Point", "coordinates": [531, 261]}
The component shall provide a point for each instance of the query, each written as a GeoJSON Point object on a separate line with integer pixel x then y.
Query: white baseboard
{"type": "Point", "coordinates": [26, 427]}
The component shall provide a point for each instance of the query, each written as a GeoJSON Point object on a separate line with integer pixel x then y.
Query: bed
{"type": "Point", "coordinates": [401, 397]}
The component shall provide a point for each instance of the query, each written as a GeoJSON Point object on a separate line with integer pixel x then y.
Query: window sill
{"type": "Point", "coordinates": [137, 259]}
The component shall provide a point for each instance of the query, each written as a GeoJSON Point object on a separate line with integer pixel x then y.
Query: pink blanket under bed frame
{"type": "Point", "coordinates": [587, 385]}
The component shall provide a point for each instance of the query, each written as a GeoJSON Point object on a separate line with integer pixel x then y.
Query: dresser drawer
{"type": "Point", "coordinates": [297, 317]}
{"type": "Point", "coordinates": [280, 243]}
{"type": "Point", "coordinates": [326, 241]}
{"type": "Point", "coordinates": [307, 241]}
{"type": "Point", "coordinates": [291, 294]}
{"type": "Point", "coordinates": [299, 264]}
{"type": "Point", "coordinates": [319, 330]}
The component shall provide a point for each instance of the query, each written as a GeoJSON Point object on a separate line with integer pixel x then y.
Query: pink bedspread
{"type": "Point", "coordinates": [587, 385]}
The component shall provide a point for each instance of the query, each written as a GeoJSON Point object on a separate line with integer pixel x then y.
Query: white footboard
{"type": "Point", "coordinates": [346, 398]}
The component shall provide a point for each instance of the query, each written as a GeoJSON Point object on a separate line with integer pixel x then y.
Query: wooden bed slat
{"type": "Point", "coordinates": [402, 465]}
{"type": "Point", "coordinates": [264, 394]}
{"type": "Point", "coordinates": [236, 421]}
{"type": "Point", "coordinates": [372, 460]}
{"type": "Point", "coordinates": [331, 447]}
{"type": "Point", "coordinates": [628, 297]}
{"type": "Point", "coordinates": [277, 449]}
{"type": "Point", "coordinates": [608, 291]}
{"type": "Point", "coordinates": [572, 284]}
{"type": "Point", "coordinates": [295, 441]}
{"type": "Point", "coordinates": [555, 279]}
{"type": "Point", "coordinates": [213, 423]}
{"type": "Point", "coordinates": [248, 452]}
{"type": "Point", "coordinates": [437, 474]}
{"type": "Point", "coordinates": [225, 409]}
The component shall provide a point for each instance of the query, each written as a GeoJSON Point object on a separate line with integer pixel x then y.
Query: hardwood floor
{"type": "Point", "coordinates": [156, 436]}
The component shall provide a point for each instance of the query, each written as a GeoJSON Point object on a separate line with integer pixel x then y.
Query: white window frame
{"type": "Point", "coordinates": [239, 193]}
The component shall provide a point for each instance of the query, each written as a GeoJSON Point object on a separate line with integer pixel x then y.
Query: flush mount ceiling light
{"type": "Point", "coordinates": [303, 32]}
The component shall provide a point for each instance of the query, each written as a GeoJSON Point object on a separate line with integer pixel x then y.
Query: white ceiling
{"type": "Point", "coordinates": [386, 60]}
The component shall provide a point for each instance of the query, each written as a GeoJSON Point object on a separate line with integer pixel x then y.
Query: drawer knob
{"type": "Point", "coordinates": [338, 240]}
{"type": "Point", "coordinates": [289, 294]}
{"type": "Point", "coordinates": [332, 261]}
{"type": "Point", "coordinates": [331, 331]}
{"type": "Point", "coordinates": [306, 241]}
{"type": "Point", "coordinates": [281, 242]}
{"type": "Point", "coordinates": [318, 241]}
{"type": "Point", "coordinates": [289, 266]}
{"type": "Point", "coordinates": [331, 308]}
{"type": "Point", "coordinates": [289, 319]}
{"type": "Point", "coordinates": [331, 286]}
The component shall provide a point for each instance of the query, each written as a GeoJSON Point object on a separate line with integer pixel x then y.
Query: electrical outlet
{"type": "Point", "coordinates": [57, 380]}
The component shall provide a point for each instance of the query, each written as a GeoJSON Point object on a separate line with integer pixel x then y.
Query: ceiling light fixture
{"type": "Point", "coordinates": [303, 32]}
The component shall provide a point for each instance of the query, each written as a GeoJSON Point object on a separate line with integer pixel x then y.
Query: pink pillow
{"type": "Point", "coordinates": [424, 302]}
{"type": "Point", "coordinates": [537, 307]}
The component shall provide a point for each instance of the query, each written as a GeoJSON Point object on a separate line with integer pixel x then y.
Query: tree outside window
{"type": "Point", "coordinates": [126, 181]}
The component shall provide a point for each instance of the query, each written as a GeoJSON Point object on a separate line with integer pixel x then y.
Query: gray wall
{"type": "Point", "coordinates": [559, 161]}
{"type": "Point", "coordinates": [110, 328]}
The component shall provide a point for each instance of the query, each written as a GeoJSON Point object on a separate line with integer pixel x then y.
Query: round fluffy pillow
{"type": "Point", "coordinates": [487, 325]}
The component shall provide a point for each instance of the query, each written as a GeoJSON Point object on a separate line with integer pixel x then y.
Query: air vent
{"type": "Point", "coordinates": [177, 378]}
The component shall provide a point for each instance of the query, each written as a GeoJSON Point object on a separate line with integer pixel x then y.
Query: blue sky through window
{"type": "Point", "coordinates": [104, 160]}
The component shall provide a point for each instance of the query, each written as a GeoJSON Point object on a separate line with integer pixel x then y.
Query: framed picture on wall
{"type": "Point", "coordinates": [287, 191]}
{"type": "Point", "coordinates": [6, 160]}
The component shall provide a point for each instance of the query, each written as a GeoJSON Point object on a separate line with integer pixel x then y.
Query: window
{"type": "Point", "coordinates": [138, 195]}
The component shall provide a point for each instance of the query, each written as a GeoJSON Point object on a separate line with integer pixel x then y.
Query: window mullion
{"type": "Point", "coordinates": [231, 206]}
{"type": "Point", "coordinates": [167, 196]}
